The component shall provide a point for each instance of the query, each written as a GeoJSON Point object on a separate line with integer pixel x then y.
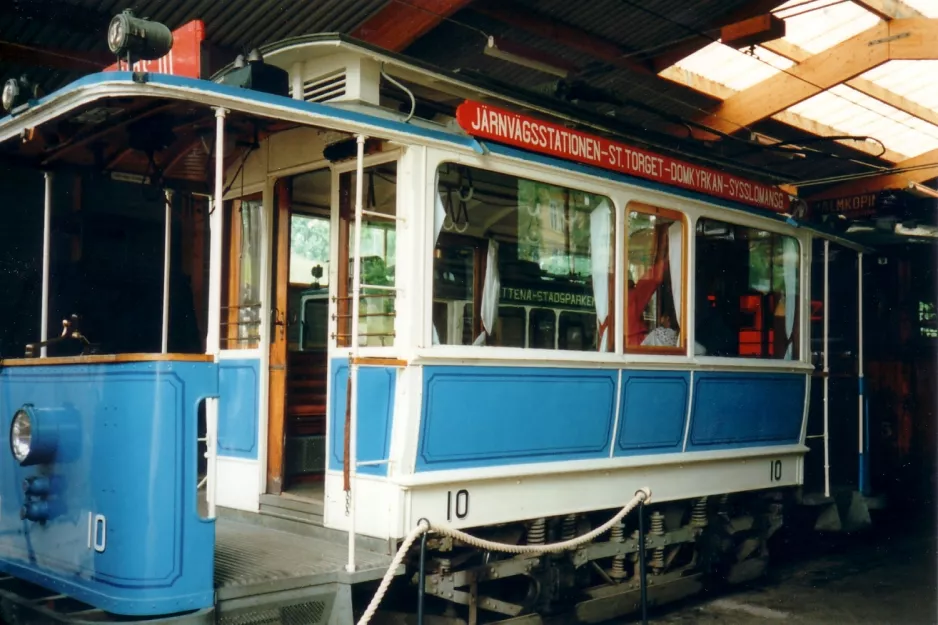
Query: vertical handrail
{"type": "Point", "coordinates": [353, 351]}
{"type": "Point", "coordinates": [213, 334]}
{"type": "Point", "coordinates": [167, 243]}
{"type": "Point", "coordinates": [827, 466]}
{"type": "Point", "coordinates": [46, 254]}
{"type": "Point", "coordinates": [861, 384]}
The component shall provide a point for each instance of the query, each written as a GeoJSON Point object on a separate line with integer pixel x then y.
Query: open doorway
{"type": "Point", "coordinates": [303, 289]}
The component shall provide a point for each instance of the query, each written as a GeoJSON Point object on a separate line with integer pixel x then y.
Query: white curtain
{"type": "Point", "coordinates": [601, 261]}
{"type": "Point", "coordinates": [790, 274]}
{"type": "Point", "coordinates": [675, 264]}
{"type": "Point", "coordinates": [491, 289]}
{"type": "Point", "coordinates": [439, 215]}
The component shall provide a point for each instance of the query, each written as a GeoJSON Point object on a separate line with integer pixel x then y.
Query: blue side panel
{"type": "Point", "coordinates": [123, 532]}
{"type": "Point", "coordinates": [375, 412]}
{"type": "Point", "coordinates": [237, 407]}
{"type": "Point", "coordinates": [484, 416]}
{"type": "Point", "coordinates": [653, 412]}
{"type": "Point", "coordinates": [733, 410]}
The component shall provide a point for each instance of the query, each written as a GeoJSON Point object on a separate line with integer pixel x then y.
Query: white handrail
{"type": "Point", "coordinates": [213, 335]}
{"type": "Point", "coordinates": [167, 243]}
{"type": "Point", "coordinates": [353, 352]}
{"type": "Point", "coordinates": [46, 253]}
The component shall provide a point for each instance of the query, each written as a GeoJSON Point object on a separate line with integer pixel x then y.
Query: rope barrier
{"type": "Point", "coordinates": [423, 526]}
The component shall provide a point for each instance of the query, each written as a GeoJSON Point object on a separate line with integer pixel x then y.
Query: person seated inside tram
{"type": "Point", "coordinates": [662, 336]}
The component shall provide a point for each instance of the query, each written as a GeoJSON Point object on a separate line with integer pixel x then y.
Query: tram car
{"type": "Point", "coordinates": [499, 322]}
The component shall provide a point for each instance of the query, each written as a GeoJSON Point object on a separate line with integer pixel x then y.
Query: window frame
{"type": "Point", "coordinates": [339, 260]}
{"type": "Point", "coordinates": [529, 172]}
{"type": "Point", "coordinates": [233, 244]}
{"type": "Point", "coordinates": [676, 216]}
{"type": "Point", "coordinates": [802, 324]}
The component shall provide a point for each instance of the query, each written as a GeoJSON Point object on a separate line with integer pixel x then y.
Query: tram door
{"type": "Point", "coordinates": [299, 346]}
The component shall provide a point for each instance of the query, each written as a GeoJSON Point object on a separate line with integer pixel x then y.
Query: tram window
{"type": "Point", "coordinates": [576, 331]}
{"type": "Point", "coordinates": [747, 294]}
{"type": "Point", "coordinates": [654, 293]}
{"type": "Point", "coordinates": [242, 274]}
{"type": "Point", "coordinates": [315, 323]}
{"type": "Point", "coordinates": [509, 329]}
{"type": "Point", "coordinates": [505, 242]}
{"type": "Point", "coordinates": [378, 255]}
{"type": "Point", "coordinates": [542, 330]}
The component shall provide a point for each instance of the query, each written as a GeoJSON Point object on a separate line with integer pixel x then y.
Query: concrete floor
{"type": "Point", "coordinates": [887, 575]}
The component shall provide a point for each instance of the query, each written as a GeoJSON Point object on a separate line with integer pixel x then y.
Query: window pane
{"type": "Point", "coordinates": [747, 295]}
{"type": "Point", "coordinates": [309, 249]}
{"type": "Point", "coordinates": [504, 242]}
{"type": "Point", "coordinates": [378, 254]}
{"type": "Point", "coordinates": [655, 282]}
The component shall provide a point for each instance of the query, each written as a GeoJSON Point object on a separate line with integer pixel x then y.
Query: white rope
{"type": "Point", "coordinates": [643, 494]}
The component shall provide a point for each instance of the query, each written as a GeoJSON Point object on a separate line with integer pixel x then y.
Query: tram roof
{"type": "Point", "coordinates": [98, 113]}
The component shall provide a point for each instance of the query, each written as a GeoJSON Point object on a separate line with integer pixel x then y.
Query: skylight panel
{"type": "Point", "coordinates": [733, 68]}
{"type": "Point", "coordinates": [854, 113]}
{"type": "Point", "coordinates": [819, 25]}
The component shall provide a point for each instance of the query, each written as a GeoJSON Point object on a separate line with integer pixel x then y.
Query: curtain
{"type": "Point", "coordinates": [601, 262]}
{"type": "Point", "coordinates": [675, 264]}
{"type": "Point", "coordinates": [490, 292]}
{"type": "Point", "coordinates": [439, 215]}
{"type": "Point", "coordinates": [790, 276]}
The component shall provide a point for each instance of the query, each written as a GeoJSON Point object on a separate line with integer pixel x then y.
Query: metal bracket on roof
{"type": "Point", "coordinates": [889, 38]}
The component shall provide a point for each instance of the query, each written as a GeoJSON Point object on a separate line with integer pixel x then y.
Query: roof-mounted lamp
{"type": "Point", "coordinates": [17, 92]}
{"type": "Point", "coordinates": [135, 39]}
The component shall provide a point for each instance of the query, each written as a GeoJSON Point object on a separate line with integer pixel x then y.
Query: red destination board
{"type": "Point", "coordinates": [499, 125]}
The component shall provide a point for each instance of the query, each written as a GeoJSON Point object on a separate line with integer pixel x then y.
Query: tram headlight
{"type": "Point", "coordinates": [34, 434]}
{"type": "Point", "coordinates": [21, 435]}
{"type": "Point", "coordinates": [139, 39]}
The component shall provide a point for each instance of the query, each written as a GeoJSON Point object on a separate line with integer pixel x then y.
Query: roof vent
{"type": "Point", "coordinates": [336, 78]}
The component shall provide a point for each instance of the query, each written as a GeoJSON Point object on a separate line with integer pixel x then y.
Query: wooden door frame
{"type": "Point", "coordinates": [277, 363]}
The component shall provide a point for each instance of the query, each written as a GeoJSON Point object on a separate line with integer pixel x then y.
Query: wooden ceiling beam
{"type": "Point", "coordinates": [867, 87]}
{"type": "Point", "coordinates": [908, 39]}
{"type": "Point", "coordinates": [798, 122]}
{"type": "Point", "coordinates": [899, 180]}
{"type": "Point", "coordinates": [401, 22]}
{"type": "Point", "coordinates": [561, 33]}
{"type": "Point", "coordinates": [889, 9]}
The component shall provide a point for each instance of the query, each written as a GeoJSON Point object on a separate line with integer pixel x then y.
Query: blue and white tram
{"type": "Point", "coordinates": [530, 341]}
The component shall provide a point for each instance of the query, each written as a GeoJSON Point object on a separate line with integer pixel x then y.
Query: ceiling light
{"type": "Point", "coordinates": [503, 50]}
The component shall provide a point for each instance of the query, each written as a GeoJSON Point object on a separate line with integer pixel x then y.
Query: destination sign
{"type": "Point", "coordinates": [546, 298]}
{"type": "Point", "coordinates": [489, 122]}
{"type": "Point", "coordinates": [849, 206]}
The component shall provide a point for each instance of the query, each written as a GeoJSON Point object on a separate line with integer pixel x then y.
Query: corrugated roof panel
{"type": "Point", "coordinates": [857, 114]}
{"type": "Point", "coordinates": [819, 25]}
{"type": "Point", "coordinates": [915, 80]}
{"type": "Point", "coordinates": [929, 8]}
{"type": "Point", "coordinates": [736, 69]}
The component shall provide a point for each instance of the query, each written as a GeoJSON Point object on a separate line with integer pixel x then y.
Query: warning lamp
{"type": "Point", "coordinates": [136, 39]}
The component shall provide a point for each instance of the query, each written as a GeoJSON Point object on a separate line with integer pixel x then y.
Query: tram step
{"type": "Point", "coordinates": [291, 504]}
{"type": "Point", "coordinates": [296, 525]}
